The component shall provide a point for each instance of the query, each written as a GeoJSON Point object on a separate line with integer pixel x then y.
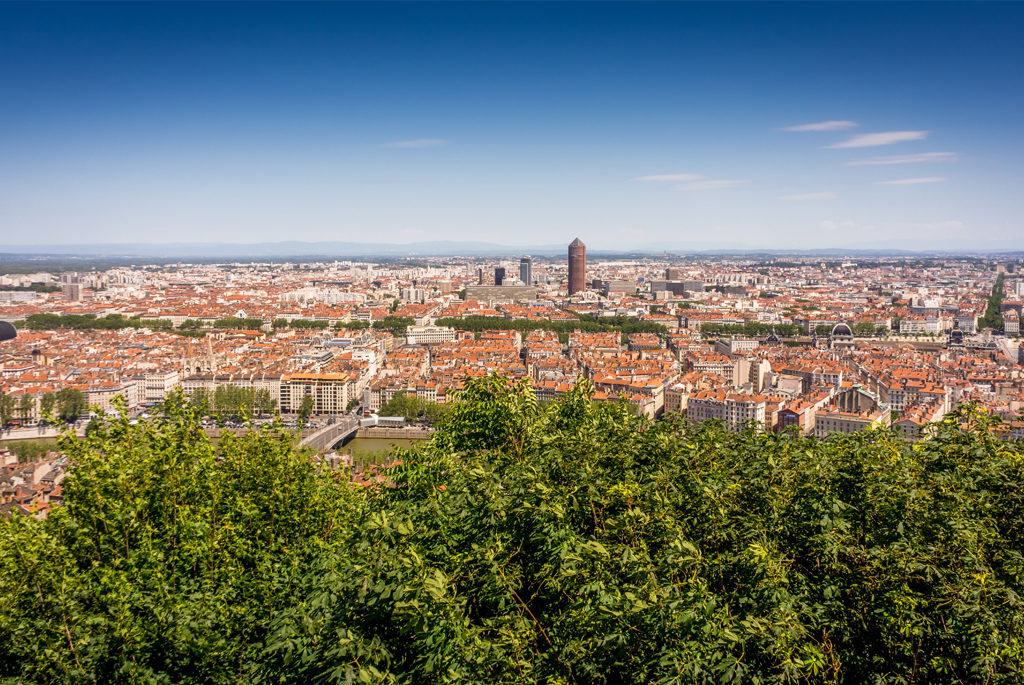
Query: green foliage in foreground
{"type": "Point", "coordinates": [571, 542]}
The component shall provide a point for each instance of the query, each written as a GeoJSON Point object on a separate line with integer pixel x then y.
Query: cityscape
{"type": "Point", "coordinates": [511, 342]}
{"type": "Point", "coordinates": [822, 345]}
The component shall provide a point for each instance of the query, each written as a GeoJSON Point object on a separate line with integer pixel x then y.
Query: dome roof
{"type": "Point", "coordinates": [841, 330]}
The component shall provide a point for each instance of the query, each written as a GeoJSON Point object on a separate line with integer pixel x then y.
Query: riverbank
{"type": "Point", "coordinates": [394, 433]}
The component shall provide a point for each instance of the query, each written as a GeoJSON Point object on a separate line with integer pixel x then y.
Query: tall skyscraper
{"type": "Point", "coordinates": [577, 266]}
{"type": "Point", "coordinates": [499, 276]}
{"type": "Point", "coordinates": [526, 270]}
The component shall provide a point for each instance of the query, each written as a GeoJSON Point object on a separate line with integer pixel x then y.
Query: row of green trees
{"type": "Point", "coordinates": [236, 323]}
{"type": "Point", "coordinates": [32, 287]}
{"type": "Point", "coordinates": [90, 322]}
{"type": "Point", "coordinates": [750, 328]}
{"type": "Point", "coordinates": [861, 329]}
{"type": "Point", "coordinates": [233, 402]}
{"type": "Point", "coordinates": [993, 317]}
{"type": "Point", "coordinates": [395, 324]}
{"type": "Point", "coordinates": [755, 329]}
{"type": "Point", "coordinates": [572, 542]}
{"type": "Point", "coordinates": [299, 324]}
{"type": "Point", "coordinates": [414, 408]}
{"type": "Point", "coordinates": [66, 405]}
{"type": "Point", "coordinates": [586, 323]}
{"type": "Point", "coordinates": [28, 450]}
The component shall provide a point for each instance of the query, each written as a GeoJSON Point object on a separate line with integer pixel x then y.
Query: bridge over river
{"type": "Point", "coordinates": [328, 436]}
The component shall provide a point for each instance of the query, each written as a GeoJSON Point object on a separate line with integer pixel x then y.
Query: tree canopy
{"type": "Point", "coordinates": [993, 317]}
{"type": "Point", "coordinates": [71, 403]}
{"type": "Point", "coordinates": [89, 322]}
{"type": "Point", "coordinates": [233, 402]}
{"type": "Point", "coordinates": [584, 322]}
{"type": "Point", "coordinates": [238, 323]}
{"type": "Point", "coordinates": [558, 543]}
{"type": "Point", "coordinates": [413, 408]}
{"type": "Point", "coordinates": [751, 328]}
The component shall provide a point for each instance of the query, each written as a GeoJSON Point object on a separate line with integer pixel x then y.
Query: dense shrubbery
{"type": "Point", "coordinates": [567, 543]}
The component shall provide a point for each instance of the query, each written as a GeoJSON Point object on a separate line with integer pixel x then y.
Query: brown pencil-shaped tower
{"type": "Point", "coordinates": [577, 266]}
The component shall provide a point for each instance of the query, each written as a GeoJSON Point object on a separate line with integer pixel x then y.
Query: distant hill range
{"type": "Point", "coordinates": [441, 248]}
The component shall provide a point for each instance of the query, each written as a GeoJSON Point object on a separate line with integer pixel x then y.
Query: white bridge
{"type": "Point", "coordinates": [330, 435]}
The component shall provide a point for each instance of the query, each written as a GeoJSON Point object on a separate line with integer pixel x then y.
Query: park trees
{"type": "Point", "coordinates": [47, 403]}
{"type": "Point", "coordinates": [305, 408]}
{"type": "Point", "coordinates": [413, 408]}
{"type": "Point", "coordinates": [993, 317]}
{"type": "Point", "coordinates": [8, 406]}
{"type": "Point", "coordinates": [90, 322]}
{"type": "Point", "coordinates": [232, 402]}
{"type": "Point", "coordinates": [26, 406]}
{"type": "Point", "coordinates": [71, 403]}
{"type": "Point", "coordinates": [864, 329]}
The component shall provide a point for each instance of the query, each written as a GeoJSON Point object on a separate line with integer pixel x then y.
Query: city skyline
{"type": "Point", "coordinates": [729, 125]}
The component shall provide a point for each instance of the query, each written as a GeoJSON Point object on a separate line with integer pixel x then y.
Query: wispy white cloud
{"type": "Point", "coordinates": [710, 184]}
{"type": "Point", "coordinates": [884, 138]}
{"type": "Point", "coordinates": [921, 158]}
{"type": "Point", "coordinates": [800, 197]}
{"type": "Point", "coordinates": [822, 126]}
{"type": "Point", "coordinates": [913, 181]}
{"type": "Point", "coordinates": [417, 143]}
{"type": "Point", "coordinates": [670, 177]}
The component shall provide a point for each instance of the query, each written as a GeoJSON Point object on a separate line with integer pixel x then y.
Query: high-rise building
{"type": "Point", "coordinates": [499, 276]}
{"type": "Point", "coordinates": [526, 270]}
{"type": "Point", "coordinates": [577, 266]}
{"type": "Point", "coordinates": [71, 286]}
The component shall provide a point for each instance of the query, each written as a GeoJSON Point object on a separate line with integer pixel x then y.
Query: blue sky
{"type": "Point", "coordinates": [518, 123]}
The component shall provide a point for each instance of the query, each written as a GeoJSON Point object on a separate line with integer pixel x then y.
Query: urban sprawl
{"type": "Point", "coordinates": [821, 345]}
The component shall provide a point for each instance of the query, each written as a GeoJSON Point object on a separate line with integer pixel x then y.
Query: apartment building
{"type": "Point", "coordinates": [833, 420]}
{"type": "Point", "coordinates": [736, 410]}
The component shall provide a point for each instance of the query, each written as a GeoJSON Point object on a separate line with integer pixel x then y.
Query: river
{"type": "Point", "coordinates": [375, 449]}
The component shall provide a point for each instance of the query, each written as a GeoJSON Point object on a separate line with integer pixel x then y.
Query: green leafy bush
{"type": "Point", "coordinates": [573, 542]}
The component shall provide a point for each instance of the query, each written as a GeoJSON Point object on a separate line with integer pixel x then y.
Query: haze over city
{"type": "Point", "coordinates": [644, 126]}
